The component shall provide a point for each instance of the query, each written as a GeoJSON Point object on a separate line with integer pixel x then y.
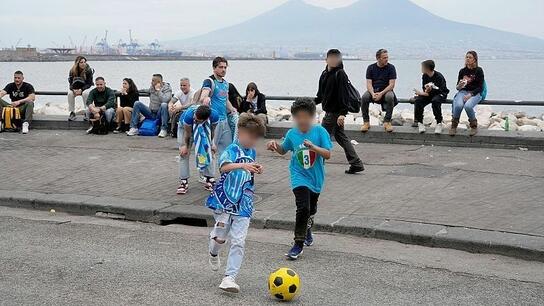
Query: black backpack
{"type": "Point", "coordinates": [352, 97]}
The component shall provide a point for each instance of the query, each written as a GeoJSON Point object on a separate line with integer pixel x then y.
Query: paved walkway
{"type": "Point", "coordinates": [488, 189]}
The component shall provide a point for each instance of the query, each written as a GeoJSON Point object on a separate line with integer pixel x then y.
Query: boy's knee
{"type": "Point", "coordinates": [219, 240]}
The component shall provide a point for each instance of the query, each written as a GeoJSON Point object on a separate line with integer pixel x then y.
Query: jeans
{"type": "Point", "coordinates": [459, 104]}
{"type": "Point", "coordinates": [72, 99]}
{"type": "Point", "coordinates": [331, 125]}
{"type": "Point", "coordinates": [233, 228]}
{"type": "Point", "coordinates": [109, 113]}
{"type": "Point", "coordinates": [184, 172]}
{"type": "Point", "coordinates": [306, 202]}
{"type": "Point", "coordinates": [387, 102]}
{"type": "Point", "coordinates": [222, 136]}
{"type": "Point", "coordinates": [419, 106]}
{"type": "Point", "coordinates": [26, 110]}
{"type": "Point", "coordinates": [140, 108]}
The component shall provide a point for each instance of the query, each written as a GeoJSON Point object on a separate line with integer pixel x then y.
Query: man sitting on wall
{"type": "Point", "coordinates": [22, 97]}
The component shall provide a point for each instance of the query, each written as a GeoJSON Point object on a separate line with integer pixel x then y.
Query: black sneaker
{"type": "Point", "coordinates": [72, 116]}
{"type": "Point", "coordinates": [355, 169]}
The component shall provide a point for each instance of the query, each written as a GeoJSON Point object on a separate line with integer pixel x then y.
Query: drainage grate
{"type": "Point", "coordinates": [198, 222]}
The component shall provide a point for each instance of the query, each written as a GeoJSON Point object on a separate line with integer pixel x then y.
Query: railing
{"type": "Point", "coordinates": [292, 98]}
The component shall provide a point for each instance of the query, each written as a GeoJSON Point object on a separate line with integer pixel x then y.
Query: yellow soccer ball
{"type": "Point", "coordinates": [284, 284]}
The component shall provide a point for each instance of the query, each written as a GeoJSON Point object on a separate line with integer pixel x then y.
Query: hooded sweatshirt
{"type": "Point", "coordinates": [157, 97]}
{"type": "Point", "coordinates": [84, 81]}
{"type": "Point", "coordinates": [331, 93]}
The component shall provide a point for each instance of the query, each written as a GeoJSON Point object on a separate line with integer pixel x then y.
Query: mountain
{"type": "Point", "coordinates": [364, 26]}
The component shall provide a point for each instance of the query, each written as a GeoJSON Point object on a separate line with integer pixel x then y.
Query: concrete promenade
{"type": "Point", "coordinates": [474, 199]}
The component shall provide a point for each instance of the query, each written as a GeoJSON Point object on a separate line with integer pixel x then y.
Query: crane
{"type": "Point", "coordinates": [82, 44]}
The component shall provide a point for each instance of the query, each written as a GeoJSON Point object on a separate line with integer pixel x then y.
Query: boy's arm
{"type": "Point", "coordinates": [251, 167]}
{"type": "Point", "coordinates": [326, 154]}
{"type": "Point", "coordinates": [276, 147]}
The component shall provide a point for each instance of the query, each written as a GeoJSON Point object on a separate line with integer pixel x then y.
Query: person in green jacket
{"type": "Point", "coordinates": [101, 101]}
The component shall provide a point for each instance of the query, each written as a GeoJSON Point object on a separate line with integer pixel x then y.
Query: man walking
{"type": "Point", "coordinates": [22, 96]}
{"type": "Point", "coordinates": [215, 93]}
{"type": "Point", "coordinates": [332, 95]}
{"type": "Point", "coordinates": [380, 83]}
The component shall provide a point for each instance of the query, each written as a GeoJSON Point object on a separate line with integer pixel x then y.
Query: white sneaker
{"type": "Point", "coordinates": [89, 130]}
{"type": "Point", "coordinates": [215, 262]}
{"type": "Point", "coordinates": [229, 285]}
{"type": "Point", "coordinates": [438, 128]}
{"type": "Point", "coordinates": [25, 127]}
{"type": "Point", "coordinates": [163, 134]}
{"type": "Point", "coordinates": [421, 128]}
{"type": "Point", "coordinates": [132, 132]}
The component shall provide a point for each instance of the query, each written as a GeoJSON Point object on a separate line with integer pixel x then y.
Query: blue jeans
{"type": "Point", "coordinates": [222, 136]}
{"type": "Point", "coordinates": [140, 108]}
{"type": "Point", "coordinates": [233, 228]}
{"type": "Point", "coordinates": [459, 104]}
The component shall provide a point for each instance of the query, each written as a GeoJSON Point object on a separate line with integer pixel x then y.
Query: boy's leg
{"type": "Point", "coordinates": [219, 234]}
{"type": "Point", "coordinates": [314, 198]}
{"type": "Point", "coordinates": [302, 200]}
{"type": "Point", "coordinates": [237, 234]}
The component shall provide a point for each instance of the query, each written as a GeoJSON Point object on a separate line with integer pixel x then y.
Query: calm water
{"type": "Point", "coordinates": [507, 79]}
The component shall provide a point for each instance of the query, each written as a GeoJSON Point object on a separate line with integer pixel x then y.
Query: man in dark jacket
{"type": "Point", "coordinates": [101, 102]}
{"type": "Point", "coordinates": [331, 94]}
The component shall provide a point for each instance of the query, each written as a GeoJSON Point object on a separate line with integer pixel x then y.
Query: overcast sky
{"type": "Point", "coordinates": [51, 22]}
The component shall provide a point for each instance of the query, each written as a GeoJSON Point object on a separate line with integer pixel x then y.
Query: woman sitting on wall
{"type": "Point", "coordinates": [128, 95]}
{"type": "Point", "coordinates": [254, 102]}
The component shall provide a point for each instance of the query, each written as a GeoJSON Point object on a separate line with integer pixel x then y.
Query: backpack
{"type": "Point", "coordinates": [149, 127]}
{"type": "Point", "coordinates": [483, 94]}
{"type": "Point", "coordinates": [352, 97]}
{"type": "Point", "coordinates": [100, 126]}
{"type": "Point", "coordinates": [10, 121]}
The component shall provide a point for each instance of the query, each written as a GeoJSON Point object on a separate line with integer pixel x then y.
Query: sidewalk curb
{"type": "Point", "coordinates": [466, 239]}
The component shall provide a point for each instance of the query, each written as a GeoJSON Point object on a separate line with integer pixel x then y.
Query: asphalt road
{"type": "Point", "coordinates": [58, 259]}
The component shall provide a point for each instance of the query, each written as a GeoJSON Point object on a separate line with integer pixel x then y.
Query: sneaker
{"type": "Point", "coordinates": [355, 169]}
{"type": "Point", "coordinates": [438, 128]}
{"type": "Point", "coordinates": [388, 127]}
{"type": "Point", "coordinates": [25, 128]}
{"type": "Point", "coordinates": [183, 187]}
{"type": "Point", "coordinates": [215, 262]}
{"type": "Point", "coordinates": [132, 132]}
{"type": "Point", "coordinates": [365, 127]}
{"type": "Point", "coordinates": [163, 133]}
{"type": "Point", "coordinates": [210, 182]}
{"type": "Point", "coordinates": [295, 251]}
{"type": "Point", "coordinates": [89, 130]}
{"type": "Point", "coordinates": [229, 285]}
{"type": "Point", "coordinates": [421, 128]}
{"type": "Point", "coordinates": [202, 179]}
{"type": "Point", "coordinates": [117, 130]}
{"type": "Point", "coordinates": [72, 116]}
{"type": "Point", "coordinates": [309, 238]}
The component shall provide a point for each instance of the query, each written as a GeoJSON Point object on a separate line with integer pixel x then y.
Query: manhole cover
{"type": "Point", "coordinates": [421, 171]}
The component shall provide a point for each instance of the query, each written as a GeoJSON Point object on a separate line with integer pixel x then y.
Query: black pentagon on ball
{"type": "Point", "coordinates": [278, 281]}
{"type": "Point", "coordinates": [291, 272]}
{"type": "Point", "coordinates": [279, 296]}
{"type": "Point", "coordinates": [293, 288]}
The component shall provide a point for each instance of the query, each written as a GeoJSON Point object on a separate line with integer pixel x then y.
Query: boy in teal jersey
{"type": "Point", "coordinates": [310, 145]}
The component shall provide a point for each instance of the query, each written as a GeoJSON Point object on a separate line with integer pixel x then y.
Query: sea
{"type": "Point", "coordinates": [506, 79]}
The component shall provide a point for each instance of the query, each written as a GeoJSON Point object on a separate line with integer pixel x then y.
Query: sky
{"type": "Point", "coordinates": [52, 23]}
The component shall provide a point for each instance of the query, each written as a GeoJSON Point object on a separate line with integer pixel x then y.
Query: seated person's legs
{"type": "Point", "coordinates": [366, 100]}
{"type": "Point", "coordinates": [437, 108]}
{"type": "Point", "coordinates": [419, 106]}
{"type": "Point", "coordinates": [388, 104]}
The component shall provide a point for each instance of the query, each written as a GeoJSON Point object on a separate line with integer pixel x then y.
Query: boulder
{"type": "Point", "coordinates": [496, 126]}
{"type": "Point", "coordinates": [529, 128]}
{"type": "Point", "coordinates": [520, 115]}
{"type": "Point", "coordinates": [526, 121]}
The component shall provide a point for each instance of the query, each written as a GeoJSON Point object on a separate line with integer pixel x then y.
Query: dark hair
{"type": "Point", "coordinates": [216, 61]}
{"type": "Point", "coordinates": [303, 105]}
{"type": "Point", "coordinates": [429, 64]}
{"type": "Point", "coordinates": [203, 112]}
{"type": "Point", "coordinates": [252, 86]}
{"type": "Point", "coordinates": [334, 52]}
{"type": "Point", "coordinates": [157, 75]}
{"type": "Point", "coordinates": [252, 124]}
{"type": "Point", "coordinates": [475, 55]}
{"type": "Point", "coordinates": [99, 79]}
{"type": "Point", "coordinates": [19, 72]}
{"type": "Point", "coordinates": [380, 52]}
{"type": "Point", "coordinates": [131, 85]}
{"type": "Point", "coordinates": [234, 96]}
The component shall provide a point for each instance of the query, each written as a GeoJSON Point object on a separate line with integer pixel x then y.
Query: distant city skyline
{"type": "Point", "coordinates": [53, 23]}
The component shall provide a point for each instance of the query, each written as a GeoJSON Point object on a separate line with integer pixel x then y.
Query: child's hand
{"type": "Point", "coordinates": [252, 167]}
{"type": "Point", "coordinates": [260, 167]}
{"type": "Point", "coordinates": [308, 144]}
{"type": "Point", "coordinates": [272, 146]}
{"type": "Point", "coordinates": [214, 149]}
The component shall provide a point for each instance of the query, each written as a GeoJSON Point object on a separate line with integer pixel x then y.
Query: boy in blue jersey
{"type": "Point", "coordinates": [196, 127]}
{"type": "Point", "coordinates": [215, 93]}
{"type": "Point", "coordinates": [310, 145]}
{"type": "Point", "coordinates": [232, 199]}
